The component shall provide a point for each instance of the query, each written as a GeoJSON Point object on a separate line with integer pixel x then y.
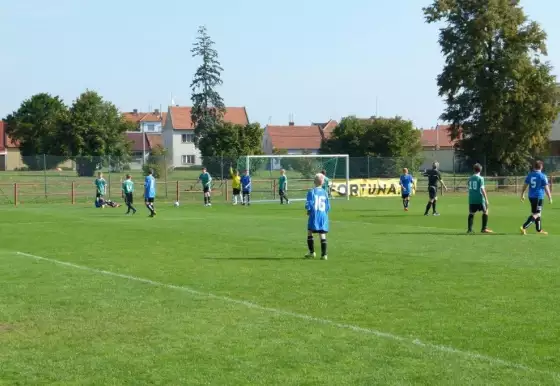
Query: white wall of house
{"type": "Point", "coordinates": [301, 151]}
{"type": "Point", "coordinates": [151, 127]}
{"type": "Point", "coordinates": [445, 157]}
{"type": "Point", "coordinates": [185, 152]}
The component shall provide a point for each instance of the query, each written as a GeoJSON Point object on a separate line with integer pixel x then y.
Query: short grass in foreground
{"type": "Point", "coordinates": [403, 299]}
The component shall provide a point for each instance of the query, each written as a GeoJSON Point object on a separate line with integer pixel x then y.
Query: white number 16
{"type": "Point", "coordinates": [320, 204]}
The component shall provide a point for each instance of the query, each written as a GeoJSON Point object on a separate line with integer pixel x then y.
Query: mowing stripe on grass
{"type": "Point", "coordinates": [309, 318]}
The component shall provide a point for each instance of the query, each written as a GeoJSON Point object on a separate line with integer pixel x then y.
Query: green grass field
{"type": "Point", "coordinates": [222, 296]}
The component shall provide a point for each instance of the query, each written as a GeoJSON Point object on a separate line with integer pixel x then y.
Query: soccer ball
{"type": "Point", "coordinates": [176, 203]}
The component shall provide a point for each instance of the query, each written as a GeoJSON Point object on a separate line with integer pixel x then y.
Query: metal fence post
{"type": "Point", "coordinates": [45, 173]}
{"type": "Point", "coordinates": [109, 163]}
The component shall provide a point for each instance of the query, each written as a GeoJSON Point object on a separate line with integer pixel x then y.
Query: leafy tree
{"type": "Point", "coordinates": [158, 161]}
{"type": "Point", "coordinates": [227, 143]}
{"type": "Point", "coordinates": [499, 92]}
{"type": "Point", "coordinates": [393, 141]}
{"type": "Point", "coordinates": [94, 131]}
{"type": "Point", "coordinates": [208, 106]}
{"type": "Point", "coordinates": [35, 126]}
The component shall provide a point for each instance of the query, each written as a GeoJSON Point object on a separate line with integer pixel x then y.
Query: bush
{"type": "Point", "coordinates": [157, 161]}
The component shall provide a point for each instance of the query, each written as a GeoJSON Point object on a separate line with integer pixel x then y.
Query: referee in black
{"type": "Point", "coordinates": [434, 179]}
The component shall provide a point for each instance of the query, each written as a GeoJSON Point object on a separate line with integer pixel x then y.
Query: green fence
{"type": "Point", "coordinates": [52, 178]}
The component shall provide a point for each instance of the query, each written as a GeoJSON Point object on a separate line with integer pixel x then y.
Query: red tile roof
{"type": "Point", "coordinates": [438, 137]}
{"type": "Point", "coordinates": [2, 136]}
{"type": "Point", "coordinates": [144, 117]}
{"type": "Point", "coordinates": [151, 141]}
{"type": "Point", "coordinates": [155, 140]}
{"type": "Point", "coordinates": [137, 143]}
{"type": "Point", "coordinates": [181, 116]}
{"type": "Point", "coordinates": [295, 137]}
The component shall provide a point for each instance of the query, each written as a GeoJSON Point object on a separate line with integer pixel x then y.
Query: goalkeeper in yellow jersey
{"type": "Point", "coordinates": [235, 185]}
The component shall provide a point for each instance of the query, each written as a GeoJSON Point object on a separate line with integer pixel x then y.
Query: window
{"type": "Point", "coordinates": [187, 159]}
{"type": "Point", "coordinates": [187, 138]}
{"type": "Point", "coordinates": [151, 127]}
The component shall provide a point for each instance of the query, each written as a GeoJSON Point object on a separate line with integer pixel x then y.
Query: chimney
{"type": "Point", "coordinates": [156, 111]}
{"type": "Point", "coordinates": [135, 111]}
{"type": "Point", "coordinates": [291, 123]}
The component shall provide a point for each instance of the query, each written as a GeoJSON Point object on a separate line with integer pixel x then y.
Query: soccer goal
{"type": "Point", "coordinates": [300, 170]}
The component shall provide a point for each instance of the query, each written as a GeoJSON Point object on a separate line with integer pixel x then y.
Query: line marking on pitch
{"type": "Point", "coordinates": [363, 330]}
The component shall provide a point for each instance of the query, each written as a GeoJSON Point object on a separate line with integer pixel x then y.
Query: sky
{"type": "Point", "coordinates": [313, 59]}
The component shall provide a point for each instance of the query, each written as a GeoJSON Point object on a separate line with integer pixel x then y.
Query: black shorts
{"type": "Point", "coordinates": [206, 189]}
{"type": "Point", "coordinates": [536, 205]}
{"type": "Point", "coordinates": [98, 195]}
{"type": "Point", "coordinates": [281, 192]}
{"type": "Point", "coordinates": [405, 195]}
{"type": "Point", "coordinates": [150, 199]}
{"type": "Point", "coordinates": [473, 208]}
{"type": "Point", "coordinates": [235, 191]}
{"type": "Point", "coordinates": [128, 198]}
{"type": "Point", "coordinates": [318, 232]}
{"type": "Point", "coordinates": [246, 193]}
{"type": "Point", "coordinates": [432, 192]}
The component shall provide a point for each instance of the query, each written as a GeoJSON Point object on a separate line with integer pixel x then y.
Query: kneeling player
{"type": "Point", "coordinates": [317, 206]}
{"type": "Point", "coordinates": [478, 200]}
{"type": "Point", "coordinates": [537, 183]}
{"type": "Point", "coordinates": [101, 202]}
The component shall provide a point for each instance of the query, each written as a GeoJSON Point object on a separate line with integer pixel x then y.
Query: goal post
{"type": "Point", "coordinates": [300, 170]}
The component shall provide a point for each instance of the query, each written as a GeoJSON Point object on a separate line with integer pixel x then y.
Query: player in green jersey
{"type": "Point", "coordinates": [283, 187]}
{"type": "Point", "coordinates": [100, 187]}
{"type": "Point", "coordinates": [127, 194]}
{"type": "Point", "coordinates": [326, 183]}
{"type": "Point", "coordinates": [478, 199]}
{"type": "Point", "coordinates": [206, 181]}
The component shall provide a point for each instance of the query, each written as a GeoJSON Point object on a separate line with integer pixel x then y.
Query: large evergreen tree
{"type": "Point", "coordinates": [500, 94]}
{"type": "Point", "coordinates": [208, 106]}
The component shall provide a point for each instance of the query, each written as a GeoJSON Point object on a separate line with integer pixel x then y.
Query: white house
{"type": "Point", "coordinates": [178, 133]}
{"type": "Point", "coordinates": [147, 122]}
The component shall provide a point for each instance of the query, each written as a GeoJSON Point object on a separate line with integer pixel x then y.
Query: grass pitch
{"type": "Point", "coordinates": [221, 296]}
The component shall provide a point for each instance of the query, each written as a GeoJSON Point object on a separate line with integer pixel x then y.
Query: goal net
{"type": "Point", "coordinates": [300, 171]}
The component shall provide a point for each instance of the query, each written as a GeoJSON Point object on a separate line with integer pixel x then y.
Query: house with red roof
{"type": "Point", "coordinates": [296, 139]}
{"type": "Point", "coordinates": [438, 146]}
{"type": "Point", "coordinates": [178, 133]}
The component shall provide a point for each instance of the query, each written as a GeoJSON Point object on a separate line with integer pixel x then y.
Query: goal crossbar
{"type": "Point", "coordinates": [280, 156]}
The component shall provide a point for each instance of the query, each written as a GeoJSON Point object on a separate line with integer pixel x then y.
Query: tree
{"type": "Point", "coordinates": [394, 141]}
{"type": "Point", "coordinates": [158, 161]}
{"type": "Point", "coordinates": [227, 143]}
{"type": "Point", "coordinates": [35, 126]}
{"type": "Point", "coordinates": [95, 130]}
{"type": "Point", "coordinates": [499, 92]}
{"type": "Point", "coordinates": [208, 106]}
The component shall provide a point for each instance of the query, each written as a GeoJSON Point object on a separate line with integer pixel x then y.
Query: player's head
{"type": "Point", "coordinates": [203, 170]}
{"type": "Point", "coordinates": [246, 172]}
{"type": "Point", "coordinates": [477, 168]}
{"type": "Point", "coordinates": [99, 174]}
{"type": "Point", "coordinates": [237, 172]}
{"type": "Point", "coordinates": [128, 177]}
{"type": "Point", "coordinates": [538, 165]}
{"type": "Point", "coordinates": [319, 179]}
{"type": "Point", "coordinates": [150, 172]}
{"type": "Point", "coordinates": [405, 171]}
{"type": "Point", "coordinates": [435, 165]}
{"type": "Point", "coordinates": [282, 171]}
{"type": "Point", "coordinates": [323, 172]}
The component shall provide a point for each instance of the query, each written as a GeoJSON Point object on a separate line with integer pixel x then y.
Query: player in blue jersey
{"type": "Point", "coordinates": [150, 192]}
{"type": "Point", "coordinates": [537, 183]}
{"type": "Point", "coordinates": [246, 188]}
{"type": "Point", "coordinates": [407, 185]}
{"type": "Point", "coordinates": [317, 206]}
